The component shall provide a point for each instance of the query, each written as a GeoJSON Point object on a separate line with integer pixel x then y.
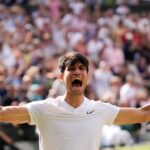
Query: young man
{"type": "Point", "coordinates": [72, 121]}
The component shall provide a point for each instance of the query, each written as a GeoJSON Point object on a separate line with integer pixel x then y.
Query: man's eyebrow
{"type": "Point", "coordinates": [82, 65]}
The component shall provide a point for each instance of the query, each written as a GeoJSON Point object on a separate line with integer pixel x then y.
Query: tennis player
{"type": "Point", "coordinates": [72, 121]}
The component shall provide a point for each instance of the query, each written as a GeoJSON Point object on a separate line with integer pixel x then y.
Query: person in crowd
{"type": "Point", "coordinates": [6, 140]}
{"type": "Point", "coordinates": [59, 120]}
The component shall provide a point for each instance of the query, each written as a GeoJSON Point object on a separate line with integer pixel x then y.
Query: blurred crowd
{"type": "Point", "coordinates": [35, 33]}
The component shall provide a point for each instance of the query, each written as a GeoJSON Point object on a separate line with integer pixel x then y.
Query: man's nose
{"type": "Point", "coordinates": [77, 71]}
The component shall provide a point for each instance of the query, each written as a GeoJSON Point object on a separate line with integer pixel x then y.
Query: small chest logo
{"type": "Point", "coordinates": [90, 111]}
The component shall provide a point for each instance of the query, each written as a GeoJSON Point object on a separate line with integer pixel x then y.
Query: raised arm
{"type": "Point", "coordinates": [14, 114]}
{"type": "Point", "coordinates": [133, 115]}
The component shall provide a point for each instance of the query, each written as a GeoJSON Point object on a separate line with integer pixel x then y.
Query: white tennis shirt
{"type": "Point", "coordinates": [62, 127]}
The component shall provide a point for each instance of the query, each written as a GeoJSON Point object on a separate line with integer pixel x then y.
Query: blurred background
{"type": "Point", "coordinates": [113, 34]}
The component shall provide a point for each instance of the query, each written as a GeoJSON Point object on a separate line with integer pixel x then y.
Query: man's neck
{"type": "Point", "coordinates": [74, 100]}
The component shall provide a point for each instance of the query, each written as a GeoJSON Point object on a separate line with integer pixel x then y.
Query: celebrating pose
{"type": "Point", "coordinates": [72, 121]}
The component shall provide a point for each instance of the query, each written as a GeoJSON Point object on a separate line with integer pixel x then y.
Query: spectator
{"type": "Point", "coordinates": [114, 57]}
{"type": "Point", "coordinates": [102, 77]}
{"type": "Point", "coordinates": [34, 33]}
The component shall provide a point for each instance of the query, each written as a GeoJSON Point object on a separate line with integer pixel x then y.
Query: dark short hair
{"type": "Point", "coordinates": [72, 58]}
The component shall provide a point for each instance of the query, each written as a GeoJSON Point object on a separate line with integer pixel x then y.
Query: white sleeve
{"type": "Point", "coordinates": [35, 110]}
{"type": "Point", "coordinates": [109, 112]}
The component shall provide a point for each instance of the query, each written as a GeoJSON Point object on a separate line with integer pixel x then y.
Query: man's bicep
{"type": "Point", "coordinates": [15, 114]}
{"type": "Point", "coordinates": [129, 116]}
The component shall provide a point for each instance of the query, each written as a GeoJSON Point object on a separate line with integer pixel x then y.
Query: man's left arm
{"type": "Point", "coordinates": [129, 115]}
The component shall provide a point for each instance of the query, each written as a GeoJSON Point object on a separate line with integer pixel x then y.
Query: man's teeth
{"type": "Point", "coordinates": [77, 79]}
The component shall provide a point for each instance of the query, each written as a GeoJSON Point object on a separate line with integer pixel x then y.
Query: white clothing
{"type": "Point", "coordinates": [7, 56]}
{"type": "Point", "coordinates": [128, 93]}
{"type": "Point", "coordinates": [114, 136]}
{"type": "Point", "coordinates": [101, 81]}
{"type": "Point", "coordinates": [62, 127]}
{"type": "Point", "coordinates": [94, 47]}
{"type": "Point", "coordinates": [77, 7]}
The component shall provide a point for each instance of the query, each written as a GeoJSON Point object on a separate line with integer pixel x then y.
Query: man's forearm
{"type": "Point", "coordinates": [1, 113]}
{"type": "Point", "coordinates": [4, 114]}
{"type": "Point", "coordinates": [146, 110]}
{"type": "Point", "coordinates": [14, 114]}
{"type": "Point", "coordinates": [145, 107]}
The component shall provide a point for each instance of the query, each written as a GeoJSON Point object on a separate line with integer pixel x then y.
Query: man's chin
{"type": "Point", "coordinates": [77, 90]}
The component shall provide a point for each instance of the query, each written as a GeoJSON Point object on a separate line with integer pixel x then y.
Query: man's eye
{"type": "Point", "coordinates": [71, 68]}
{"type": "Point", "coordinates": [82, 68]}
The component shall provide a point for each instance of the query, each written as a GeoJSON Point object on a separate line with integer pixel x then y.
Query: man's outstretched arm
{"type": "Point", "coordinates": [128, 115]}
{"type": "Point", "coordinates": [14, 114]}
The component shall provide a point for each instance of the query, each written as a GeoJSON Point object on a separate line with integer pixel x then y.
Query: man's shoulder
{"type": "Point", "coordinates": [54, 101]}
{"type": "Point", "coordinates": [92, 101]}
{"type": "Point", "coordinates": [100, 103]}
{"type": "Point", "coordinates": [46, 101]}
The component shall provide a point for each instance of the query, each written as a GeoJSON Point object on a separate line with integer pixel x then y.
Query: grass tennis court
{"type": "Point", "coordinates": [136, 147]}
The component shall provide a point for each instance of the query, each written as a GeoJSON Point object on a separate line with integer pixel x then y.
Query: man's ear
{"type": "Point", "coordinates": [61, 76]}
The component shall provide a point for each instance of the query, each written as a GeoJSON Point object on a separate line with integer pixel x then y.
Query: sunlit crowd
{"type": "Point", "coordinates": [34, 34]}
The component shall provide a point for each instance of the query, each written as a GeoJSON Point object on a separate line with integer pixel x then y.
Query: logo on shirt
{"type": "Point", "coordinates": [89, 112]}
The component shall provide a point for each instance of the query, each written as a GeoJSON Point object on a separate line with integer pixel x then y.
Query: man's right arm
{"type": "Point", "coordinates": [14, 114]}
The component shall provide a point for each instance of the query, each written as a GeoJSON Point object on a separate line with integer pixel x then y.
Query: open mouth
{"type": "Point", "coordinates": [77, 83]}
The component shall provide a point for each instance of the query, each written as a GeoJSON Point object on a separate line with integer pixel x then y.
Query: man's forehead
{"type": "Point", "coordinates": [76, 64]}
